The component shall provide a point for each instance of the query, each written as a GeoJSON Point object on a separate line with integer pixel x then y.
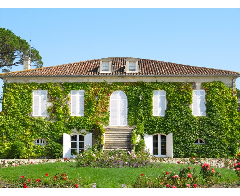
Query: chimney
{"type": "Point", "coordinates": [26, 62]}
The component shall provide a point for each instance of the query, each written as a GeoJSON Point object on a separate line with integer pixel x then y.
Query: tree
{"type": "Point", "coordinates": [13, 49]}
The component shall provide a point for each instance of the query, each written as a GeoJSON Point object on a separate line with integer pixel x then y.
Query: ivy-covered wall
{"type": "Point", "coordinates": [220, 129]}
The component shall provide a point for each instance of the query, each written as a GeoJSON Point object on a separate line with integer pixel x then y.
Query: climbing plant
{"type": "Point", "coordinates": [219, 128]}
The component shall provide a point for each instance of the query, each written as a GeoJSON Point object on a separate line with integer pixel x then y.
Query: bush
{"type": "Point", "coordinates": [115, 158]}
{"type": "Point", "coordinates": [140, 146]}
{"type": "Point", "coordinates": [54, 150]}
{"type": "Point", "coordinates": [237, 165]}
{"type": "Point", "coordinates": [17, 150]}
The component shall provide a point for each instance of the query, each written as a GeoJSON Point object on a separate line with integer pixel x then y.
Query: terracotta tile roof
{"type": "Point", "coordinates": [147, 68]}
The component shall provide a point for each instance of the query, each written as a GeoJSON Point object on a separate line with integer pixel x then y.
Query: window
{"type": "Point", "coordinates": [77, 144]}
{"type": "Point", "coordinates": [159, 145]}
{"type": "Point", "coordinates": [198, 105]}
{"type": "Point", "coordinates": [39, 103]}
{"type": "Point", "coordinates": [159, 102]}
{"type": "Point", "coordinates": [199, 141]}
{"type": "Point", "coordinates": [105, 66]}
{"type": "Point", "coordinates": [132, 66]}
{"type": "Point", "coordinates": [40, 141]}
{"type": "Point", "coordinates": [77, 103]}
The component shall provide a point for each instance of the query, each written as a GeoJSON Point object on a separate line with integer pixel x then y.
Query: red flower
{"type": "Point", "coordinates": [65, 158]}
{"type": "Point", "coordinates": [167, 173]}
{"type": "Point", "coordinates": [189, 167]}
{"type": "Point", "coordinates": [173, 177]}
{"type": "Point", "coordinates": [76, 185]}
{"type": "Point", "coordinates": [239, 163]}
{"type": "Point", "coordinates": [174, 186]}
{"type": "Point", "coordinates": [22, 176]}
{"type": "Point", "coordinates": [142, 174]}
{"type": "Point", "coordinates": [46, 174]}
{"type": "Point", "coordinates": [178, 162]}
{"type": "Point", "coordinates": [64, 178]}
{"type": "Point", "coordinates": [195, 185]}
{"type": "Point", "coordinates": [189, 175]}
{"type": "Point", "coordinates": [24, 185]}
{"type": "Point", "coordinates": [192, 157]}
{"type": "Point", "coordinates": [37, 180]}
{"type": "Point", "coordinates": [213, 170]}
{"type": "Point", "coordinates": [28, 180]}
{"type": "Point", "coordinates": [167, 185]}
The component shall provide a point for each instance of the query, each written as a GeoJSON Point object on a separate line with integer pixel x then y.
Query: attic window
{"type": "Point", "coordinates": [105, 65]}
{"type": "Point", "coordinates": [131, 65]}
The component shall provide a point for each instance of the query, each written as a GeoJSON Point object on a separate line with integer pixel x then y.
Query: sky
{"type": "Point", "coordinates": [204, 37]}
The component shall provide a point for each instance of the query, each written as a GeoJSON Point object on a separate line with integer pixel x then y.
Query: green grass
{"type": "Point", "coordinates": [103, 177]}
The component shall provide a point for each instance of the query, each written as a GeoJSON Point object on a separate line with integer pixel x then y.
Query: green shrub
{"type": "Point", "coordinates": [17, 150]}
{"type": "Point", "coordinates": [54, 150]}
{"type": "Point", "coordinates": [140, 146]}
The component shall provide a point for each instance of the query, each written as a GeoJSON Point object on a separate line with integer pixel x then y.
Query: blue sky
{"type": "Point", "coordinates": [197, 37]}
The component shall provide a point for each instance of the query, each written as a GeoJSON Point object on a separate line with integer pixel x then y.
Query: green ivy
{"type": "Point", "coordinates": [219, 129]}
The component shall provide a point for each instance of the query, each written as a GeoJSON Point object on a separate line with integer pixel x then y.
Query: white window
{"type": "Point", "coordinates": [132, 66]}
{"type": "Point", "coordinates": [77, 103]}
{"type": "Point", "coordinates": [105, 66]}
{"type": "Point", "coordinates": [39, 103]}
{"type": "Point", "coordinates": [40, 141]}
{"type": "Point", "coordinates": [159, 102]}
{"type": "Point", "coordinates": [199, 141]}
{"type": "Point", "coordinates": [198, 105]}
{"type": "Point", "coordinates": [159, 145]}
{"type": "Point", "coordinates": [77, 144]}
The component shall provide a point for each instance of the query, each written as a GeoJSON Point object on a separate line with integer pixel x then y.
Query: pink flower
{"type": "Point", "coordinates": [173, 177]}
{"type": "Point", "coordinates": [189, 167]}
{"type": "Point", "coordinates": [187, 185]}
{"type": "Point", "coordinates": [134, 156]}
{"type": "Point", "coordinates": [213, 170]}
{"type": "Point", "coordinates": [189, 175]}
{"type": "Point", "coordinates": [121, 154]}
{"type": "Point", "coordinates": [174, 186]}
{"type": "Point", "coordinates": [237, 168]}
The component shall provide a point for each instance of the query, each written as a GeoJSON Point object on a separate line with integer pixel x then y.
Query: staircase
{"type": "Point", "coordinates": [118, 137]}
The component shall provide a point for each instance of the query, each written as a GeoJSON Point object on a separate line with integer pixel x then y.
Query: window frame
{"type": "Point", "coordinates": [37, 141]}
{"type": "Point", "coordinates": [105, 60]}
{"type": "Point", "coordinates": [77, 144]}
{"type": "Point", "coordinates": [79, 95]}
{"type": "Point", "coordinates": [41, 112]}
{"type": "Point", "coordinates": [199, 111]}
{"type": "Point", "coordinates": [127, 66]}
{"type": "Point", "coordinates": [198, 141]}
{"type": "Point", "coordinates": [159, 145]}
{"type": "Point", "coordinates": [160, 113]}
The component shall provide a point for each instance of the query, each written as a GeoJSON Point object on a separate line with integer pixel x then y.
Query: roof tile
{"type": "Point", "coordinates": [147, 68]}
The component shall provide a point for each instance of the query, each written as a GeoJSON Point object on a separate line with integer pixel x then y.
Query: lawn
{"type": "Point", "coordinates": [103, 177]}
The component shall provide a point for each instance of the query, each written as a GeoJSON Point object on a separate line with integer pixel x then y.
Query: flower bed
{"type": "Point", "coordinates": [115, 158]}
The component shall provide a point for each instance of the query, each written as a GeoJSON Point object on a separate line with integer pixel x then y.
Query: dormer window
{"type": "Point", "coordinates": [131, 65]}
{"type": "Point", "coordinates": [105, 65]}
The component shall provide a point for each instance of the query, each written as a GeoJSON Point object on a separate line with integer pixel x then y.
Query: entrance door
{"type": "Point", "coordinates": [118, 109]}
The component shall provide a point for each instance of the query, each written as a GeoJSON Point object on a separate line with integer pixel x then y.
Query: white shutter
{"type": "Point", "coordinates": [202, 103]}
{"type": "Point", "coordinates": [195, 103]}
{"type": "Point", "coordinates": [169, 143]}
{"type": "Point", "coordinates": [198, 105]}
{"type": "Point", "coordinates": [88, 140]}
{"type": "Point", "coordinates": [66, 145]}
{"type": "Point", "coordinates": [159, 102]}
{"type": "Point", "coordinates": [155, 103]}
{"type": "Point", "coordinates": [36, 103]}
{"type": "Point", "coordinates": [122, 112]}
{"type": "Point", "coordinates": [81, 103]}
{"type": "Point", "coordinates": [162, 103]}
{"type": "Point", "coordinates": [73, 103]}
{"type": "Point", "coordinates": [43, 103]}
{"type": "Point", "coordinates": [113, 112]}
{"type": "Point", "coordinates": [149, 143]}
